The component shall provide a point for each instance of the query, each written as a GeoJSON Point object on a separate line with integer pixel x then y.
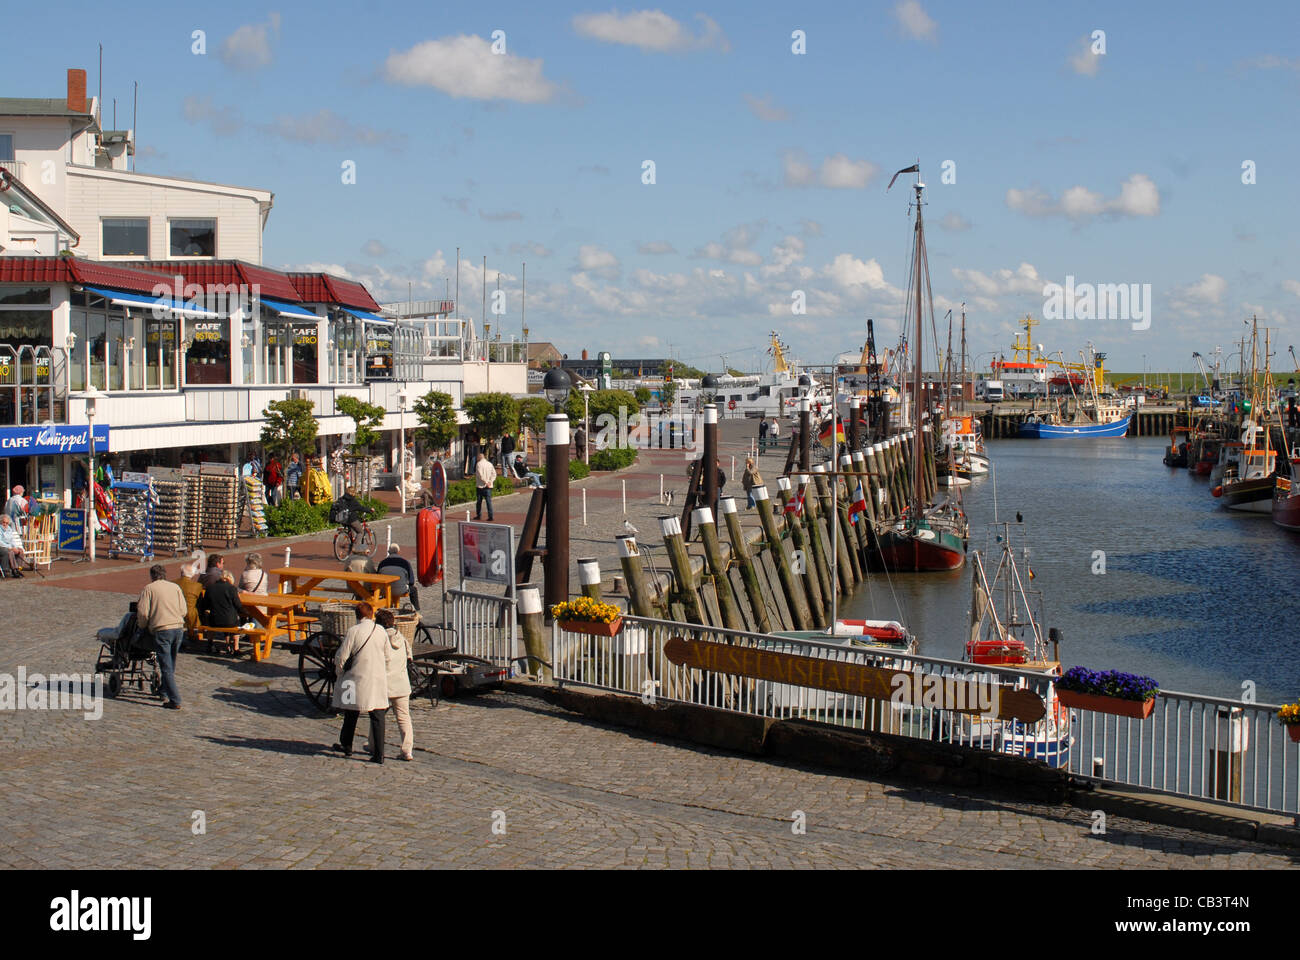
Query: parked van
{"type": "Point", "coordinates": [989, 390]}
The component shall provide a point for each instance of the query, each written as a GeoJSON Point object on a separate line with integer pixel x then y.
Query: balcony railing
{"type": "Point", "coordinates": [15, 167]}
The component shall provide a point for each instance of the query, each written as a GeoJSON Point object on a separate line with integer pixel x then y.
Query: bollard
{"type": "Point", "coordinates": [740, 553]}
{"type": "Point", "coordinates": [532, 625]}
{"type": "Point", "coordinates": [388, 538]}
{"type": "Point", "coordinates": [661, 488]}
{"type": "Point", "coordinates": [1098, 767]}
{"type": "Point", "coordinates": [848, 541]}
{"type": "Point", "coordinates": [820, 551]}
{"type": "Point", "coordinates": [556, 561]}
{"type": "Point", "coordinates": [795, 597]}
{"type": "Point", "coordinates": [584, 506]}
{"type": "Point", "coordinates": [805, 430]}
{"type": "Point", "coordinates": [811, 582]}
{"type": "Point", "coordinates": [675, 546]}
{"type": "Point", "coordinates": [624, 485]}
{"type": "Point", "coordinates": [709, 465]}
{"type": "Point", "coordinates": [702, 517]}
{"type": "Point", "coordinates": [1224, 753]}
{"type": "Point", "coordinates": [589, 578]}
{"type": "Point", "coordinates": [638, 592]}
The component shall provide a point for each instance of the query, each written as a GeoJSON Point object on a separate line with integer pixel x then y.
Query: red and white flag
{"type": "Point", "coordinates": [859, 505]}
{"type": "Point", "coordinates": [795, 503]}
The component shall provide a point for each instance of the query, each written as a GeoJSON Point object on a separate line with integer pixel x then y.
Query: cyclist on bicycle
{"type": "Point", "coordinates": [350, 512]}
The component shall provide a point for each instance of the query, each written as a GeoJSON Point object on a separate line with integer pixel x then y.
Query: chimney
{"type": "Point", "coordinates": [584, 354]}
{"type": "Point", "coordinates": [77, 90]}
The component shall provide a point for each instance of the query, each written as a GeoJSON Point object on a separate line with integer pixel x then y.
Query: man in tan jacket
{"type": "Point", "coordinates": [160, 611]}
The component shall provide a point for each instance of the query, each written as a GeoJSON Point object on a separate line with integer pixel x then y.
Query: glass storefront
{"type": "Point", "coordinates": [207, 360]}
{"type": "Point", "coordinates": [116, 348]}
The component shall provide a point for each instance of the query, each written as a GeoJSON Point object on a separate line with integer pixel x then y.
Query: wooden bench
{"type": "Point", "coordinates": [230, 636]}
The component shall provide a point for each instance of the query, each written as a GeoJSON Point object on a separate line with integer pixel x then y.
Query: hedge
{"type": "Point", "coordinates": [613, 458]}
{"type": "Point", "coordinates": [463, 491]}
{"type": "Point", "coordinates": [294, 517]}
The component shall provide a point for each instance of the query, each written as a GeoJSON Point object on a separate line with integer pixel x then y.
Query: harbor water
{"type": "Point", "coordinates": [1201, 598]}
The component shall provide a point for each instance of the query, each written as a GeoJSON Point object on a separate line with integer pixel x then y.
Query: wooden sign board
{"type": "Point", "coordinates": [876, 683]}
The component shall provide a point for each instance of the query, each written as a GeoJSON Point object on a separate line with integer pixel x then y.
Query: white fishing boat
{"type": "Point", "coordinates": [774, 393]}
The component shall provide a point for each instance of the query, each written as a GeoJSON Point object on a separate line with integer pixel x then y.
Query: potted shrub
{"type": "Point", "coordinates": [1289, 716]}
{"type": "Point", "coordinates": [1110, 691]}
{"type": "Point", "coordinates": [585, 615]}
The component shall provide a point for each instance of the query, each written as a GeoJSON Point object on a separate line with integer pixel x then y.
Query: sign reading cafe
{"type": "Point", "coordinates": [51, 439]}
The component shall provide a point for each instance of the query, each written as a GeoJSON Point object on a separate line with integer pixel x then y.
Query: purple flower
{"type": "Point", "coordinates": [1110, 683]}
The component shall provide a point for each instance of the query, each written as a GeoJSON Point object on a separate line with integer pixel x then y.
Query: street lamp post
{"type": "Point", "coordinates": [403, 398]}
{"type": "Point", "coordinates": [586, 389]}
{"type": "Point", "coordinates": [91, 396]}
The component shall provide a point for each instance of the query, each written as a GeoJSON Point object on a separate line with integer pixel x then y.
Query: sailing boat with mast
{"type": "Point", "coordinates": [925, 538]}
{"type": "Point", "coordinates": [961, 430]}
{"type": "Point", "coordinates": [1248, 485]}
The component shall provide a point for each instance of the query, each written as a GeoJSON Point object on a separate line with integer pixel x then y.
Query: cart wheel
{"type": "Point", "coordinates": [316, 668]}
{"type": "Point", "coordinates": [447, 686]}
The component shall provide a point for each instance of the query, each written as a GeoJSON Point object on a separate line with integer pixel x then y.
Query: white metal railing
{"type": "Point", "coordinates": [16, 167]}
{"type": "Point", "coordinates": [486, 626]}
{"type": "Point", "coordinates": [1208, 748]}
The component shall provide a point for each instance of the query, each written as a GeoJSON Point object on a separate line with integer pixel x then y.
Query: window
{"type": "Point", "coordinates": [193, 238]}
{"type": "Point", "coordinates": [126, 237]}
{"type": "Point", "coordinates": [6, 146]}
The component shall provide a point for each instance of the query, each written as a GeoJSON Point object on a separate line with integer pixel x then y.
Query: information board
{"type": "Point", "coordinates": [486, 553]}
{"type": "Point", "coordinates": [72, 531]}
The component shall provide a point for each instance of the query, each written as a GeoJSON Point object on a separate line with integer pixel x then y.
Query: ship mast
{"type": "Point", "coordinates": [918, 266]}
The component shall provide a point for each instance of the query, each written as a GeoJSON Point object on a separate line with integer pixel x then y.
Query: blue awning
{"type": "Point", "coordinates": [127, 299]}
{"type": "Point", "coordinates": [293, 310]}
{"type": "Point", "coordinates": [368, 317]}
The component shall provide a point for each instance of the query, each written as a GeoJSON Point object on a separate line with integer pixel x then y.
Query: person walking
{"type": "Point", "coordinates": [362, 685]}
{"type": "Point", "coordinates": [762, 434]}
{"type": "Point", "coordinates": [749, 480]}
{"type": "Point", "coordinates": [160, 611]}
{"type": "Point", "coordinates": [293, 477]}
{"type": "Point", "coordinates": [580, 442]}
{"type": "Point", "coordinates": [272, 478]}
{"type": "Point", "coordinates": [397, 651]}
{"type": "Point", "coordinates": [507, 448]}
{"type": "Point", "coordinates": [253, 579]}
{"type": "Point", "coordinates": [485, 475]}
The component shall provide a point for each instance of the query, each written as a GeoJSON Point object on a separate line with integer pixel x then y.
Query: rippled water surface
{"type": "Point", "coordinates": [1198, 597]}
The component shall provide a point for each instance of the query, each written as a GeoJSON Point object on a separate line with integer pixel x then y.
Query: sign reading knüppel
{"type": "Point", "coordinates": [51, 439]}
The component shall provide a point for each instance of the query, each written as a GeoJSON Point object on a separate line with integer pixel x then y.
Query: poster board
{"type": "Point", "coordinates": [487, 553]}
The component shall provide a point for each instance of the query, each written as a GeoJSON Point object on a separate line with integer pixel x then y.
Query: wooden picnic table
{"type": "Point", "coordinates": [278, 613]}
{"type": "Point", "coordinates": [305, 582]}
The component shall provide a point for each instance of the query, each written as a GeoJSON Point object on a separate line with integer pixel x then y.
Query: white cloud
{"type": "Point", "coordinates": [1024, 279]}
{"type": "Point", "coordinates": [326, 126]}
{"type": "Point", "coordinates": [464, 66]}
{"type": "Point", "coordinates": [1209, 289]}
{"type": "Point", "coordinates": [650, 30]}
{"type": "Point", "coordinates": [1292, 286]}
{"type": "Point", "coordinates": [249, 47]}
{"type": "Point", "coordinates": [848, 271]}
{"type": "Point", "coordinates": [735, 247]}
{"type": "Point", "coordinates": [1083, 61]}
{"type": "Point", "coordinates": [374, 248]}
{"type": "Point", "coordinates": [765, 109]}
{"type": "Point", "coordinates": [1269, 61]}
{"type": "Point", "coordinates": [532, 249]}
{"type": "Point", "coordinates": [954, 222]}
{"type": "Point", "coordinates": [1138, 197]}
{"type": "Point", "coordinates": [838, 172]}
{"type": "Point", "coordinates": [597, 260]}
{"type": "Point", "coordinates": [656, 248]}
{"type": "Point", "coordinates": [911, 16]}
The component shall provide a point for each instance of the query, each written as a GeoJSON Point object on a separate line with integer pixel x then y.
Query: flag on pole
{"type": "Point", "coordinates": [795, 503]}
{"type": "Point", "coordinates": [914, 168]}
{"type": "Point", "coordinates": [859, 505]}
{"type": "Point", "coordinates": [838, 428]}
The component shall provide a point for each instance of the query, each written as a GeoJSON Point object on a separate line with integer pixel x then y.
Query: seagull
{"type": "Point", "coordinates": [629, 529]}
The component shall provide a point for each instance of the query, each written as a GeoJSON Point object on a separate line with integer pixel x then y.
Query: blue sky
{"type": "Point", "coordinates": [771, 167]}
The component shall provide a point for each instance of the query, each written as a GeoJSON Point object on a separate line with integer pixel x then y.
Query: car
{"type": "Point", "coordinates": [1204, 401]}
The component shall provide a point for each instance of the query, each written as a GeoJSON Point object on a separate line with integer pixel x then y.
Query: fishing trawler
{"type": "Point", "coordinates": [1087, 416]}
{"type": "Point", "coordinates": [775, 393]}
{"type": "Point", "coordinates": [1247, 483]}
{"type": "Point", "coordinates": [1012, 636]}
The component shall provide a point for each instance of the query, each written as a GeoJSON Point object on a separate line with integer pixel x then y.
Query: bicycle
{"type": "Point", "coordinates": [345, 540]}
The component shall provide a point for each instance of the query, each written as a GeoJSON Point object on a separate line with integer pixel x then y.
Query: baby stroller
{"type": "Point", "coordinates": [127, 655]}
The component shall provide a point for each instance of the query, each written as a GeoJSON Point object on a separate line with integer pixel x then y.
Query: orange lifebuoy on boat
{"type": "Point", "coordinates": [1217, 492]}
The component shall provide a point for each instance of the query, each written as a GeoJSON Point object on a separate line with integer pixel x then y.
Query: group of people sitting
{"type": "Point", "coordinates": [212, 594]}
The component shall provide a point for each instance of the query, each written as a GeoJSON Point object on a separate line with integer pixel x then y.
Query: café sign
{"type": "Point", "coordinates": [51, 439]}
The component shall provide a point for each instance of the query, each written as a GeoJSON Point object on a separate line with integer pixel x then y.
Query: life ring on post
{"type": "Point", "coordinates": [428, 546]}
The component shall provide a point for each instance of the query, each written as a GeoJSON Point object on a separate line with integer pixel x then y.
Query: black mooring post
{"type": "Point", "coordinates": [556, 565]}
{"type": "Point", "coordinates": [710, 463]}
{"type": "Point", "coordinates": [805, 434]}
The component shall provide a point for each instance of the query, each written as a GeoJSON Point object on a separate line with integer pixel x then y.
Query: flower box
{"type": "Point", "coordinates": [1293, 731]}
{"type": "Point", "coordinates": [593, 628]}
{"type": "Point", "coordinates": [1137, 709]}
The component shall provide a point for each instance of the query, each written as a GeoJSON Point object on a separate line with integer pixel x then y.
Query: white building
{"type": "Point", "coordinates": [151, 289]}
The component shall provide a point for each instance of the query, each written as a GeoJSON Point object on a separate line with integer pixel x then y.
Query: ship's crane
{"type": "Point", "coordinates": [1205, 371]}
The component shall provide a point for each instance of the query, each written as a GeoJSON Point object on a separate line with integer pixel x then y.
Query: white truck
{"type": "Point", "coordinates": [990, 391]}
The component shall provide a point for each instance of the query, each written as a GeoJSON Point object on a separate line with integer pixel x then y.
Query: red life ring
{"type": "Point", "coordinates": [731, 404]}
{"type": "Point", "coordinates": [428, 546]}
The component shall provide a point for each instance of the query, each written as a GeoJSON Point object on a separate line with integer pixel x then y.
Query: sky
{"type": "Point", "coordinates": [1113, 143]}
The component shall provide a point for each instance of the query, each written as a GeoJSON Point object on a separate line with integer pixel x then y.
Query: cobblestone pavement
{"type": "Point", "coordinates": [248, 751]}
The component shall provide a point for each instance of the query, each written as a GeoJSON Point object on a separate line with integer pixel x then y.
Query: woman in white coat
{"type": "Point", "coordinates": [397, 651]}
{"type": "Point", "coordinates": [364, 687]}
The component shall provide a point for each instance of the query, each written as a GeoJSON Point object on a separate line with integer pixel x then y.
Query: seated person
{"type": "Point", "coordinates": [220, 607]}
{"type": "Point", "coordinates": [521, 471]}
{"type": "Point", "coordinates": [396, 565]}
{"type": "Point", "coordinates": [12, 557]}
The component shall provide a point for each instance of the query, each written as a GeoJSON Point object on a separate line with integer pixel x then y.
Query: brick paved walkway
{"type": "Point", "coordinates": [248, 752]}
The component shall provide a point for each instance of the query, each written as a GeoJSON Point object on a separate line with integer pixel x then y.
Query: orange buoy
{"type": "Point", "coordinates": [428, 545]}
{"type": "Point", "coordinates": [1217, 492]}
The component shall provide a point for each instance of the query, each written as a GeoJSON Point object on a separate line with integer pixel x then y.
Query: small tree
{"type": "Point", "coordinates": [366, 416]}
{"type": "Point", "coordinates": [290, 427]}
{"type": "Point", "coordinates": [668, 391]}
{"type": "Point", "coordinates": [437, 416]}
{"type": "Point", "coordinates": [493, 414]}
{"type": "Point", "coordinates": [642, 395]}
{"type": "Point", "coordinates": [533, 413]}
